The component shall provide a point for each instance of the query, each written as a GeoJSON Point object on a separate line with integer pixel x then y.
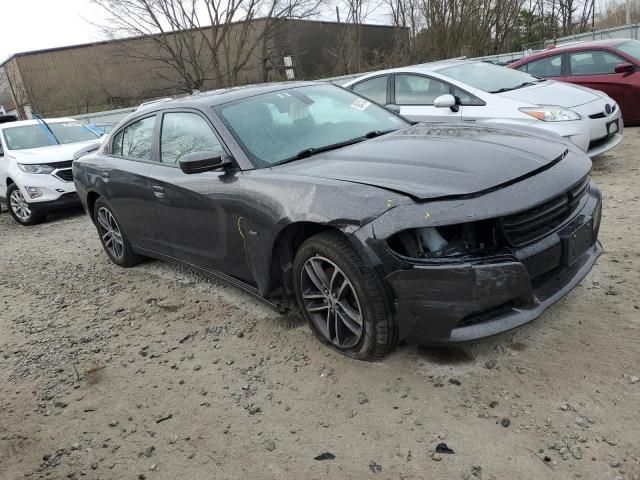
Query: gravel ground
{"type": "Point", "coordinates": [157, 373]}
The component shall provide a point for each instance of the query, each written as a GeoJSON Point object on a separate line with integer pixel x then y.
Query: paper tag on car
{"type": "Point", "coordinates": [360, 104]}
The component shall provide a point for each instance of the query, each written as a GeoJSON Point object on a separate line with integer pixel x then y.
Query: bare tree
{"type": "Point", "coordinates": [198, 42]}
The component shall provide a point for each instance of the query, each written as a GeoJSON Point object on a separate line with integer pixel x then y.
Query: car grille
{"type": "Point", "coordinates": [600, 141]}
{"type": "Point", "coordinates": [538, 222]}
{"type": "Point", "coordinates": [65, 164]}
{"type": "Point", "coordinates": [603, 114]}
{"type": "Point", "coordinates": [65, 175]}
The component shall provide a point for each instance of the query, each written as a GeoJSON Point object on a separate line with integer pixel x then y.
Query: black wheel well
{"type": "Point", "coordinates": [9, 181]}
{"type": "Point", "coordinates": [91, 201]}
{"type": "Point", "coordinates": [287, 243]}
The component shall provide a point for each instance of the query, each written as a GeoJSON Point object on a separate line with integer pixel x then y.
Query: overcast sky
{"type": "Point", "coordinates": [36, 24]}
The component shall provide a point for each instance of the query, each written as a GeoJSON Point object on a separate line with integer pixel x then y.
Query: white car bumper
{"type": "Point", "coordinates": [42, 190]}
{"type": "Point", "coordinates": [605, 130]}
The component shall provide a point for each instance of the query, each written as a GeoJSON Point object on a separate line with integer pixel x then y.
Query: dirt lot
{"type": "Point", "coordinates": [157, 373]}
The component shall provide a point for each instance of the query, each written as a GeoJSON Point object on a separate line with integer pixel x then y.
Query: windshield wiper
{"type": "Point", "coordinates": [307, 152]}
{"type": "Point", "coordinates": [508, 89]}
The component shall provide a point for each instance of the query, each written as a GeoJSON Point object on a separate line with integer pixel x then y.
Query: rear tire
{"type": "Point", "coordinates": [345, 302]}
{"type": "Point", "coordinates": [113, 238]}
{"type": "Point", "coordinates": [20, 209]}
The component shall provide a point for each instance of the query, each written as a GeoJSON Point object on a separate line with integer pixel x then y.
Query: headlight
{"type": "Point", "coordinates": [40, 169]}
{"type": "Point", "coordinates": [551, 113]}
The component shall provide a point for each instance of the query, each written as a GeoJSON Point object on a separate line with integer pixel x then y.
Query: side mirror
{"type": "Point", "coordinates": [198, 162]}
{"type": "Point", "coordinates": [625, 68]}
{"type": "Point", "coordinates": [445, 101]}
{"type": "Point", "coordinates": [393, 108]}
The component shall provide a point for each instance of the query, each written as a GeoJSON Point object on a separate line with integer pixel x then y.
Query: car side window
{"type": "Point", "coordinates": [545, 67]}
{"type": "Point", "coordinates": [136, 140]}
{"type": "Point", "coordinates": [595, 62]}
{"type": "Point", "coordinates": [374, 89]}
{"type": "Point", "coordinates": [418, 90]}
{"type": "Point", "coordinates": [184, 133]}
{"type": "Point", "coordinates": [466, 98]}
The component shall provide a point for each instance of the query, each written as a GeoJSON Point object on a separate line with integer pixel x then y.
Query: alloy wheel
{"type": "Point", "coordinates": [110, 232]}
{"type": "Point", "coordinates": [19, 206]}
{"type": "Point", "coordinates": [332, 302]}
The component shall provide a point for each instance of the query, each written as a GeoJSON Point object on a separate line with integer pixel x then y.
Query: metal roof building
{"type": "Point", "coordinates": [120, 73]}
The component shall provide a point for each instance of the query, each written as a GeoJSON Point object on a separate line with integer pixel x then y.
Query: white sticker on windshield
{"type": "Point", "coordinates": [360, 104]}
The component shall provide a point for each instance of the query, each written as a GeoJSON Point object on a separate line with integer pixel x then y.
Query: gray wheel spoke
{"type": "Point", "coordinates": [103, 221]}
{"type": "Point", "coordinates": [318, 280]}
{"type": "Point", "coordinates": [19, 206]}
{"type": "Point", "coordinates": [319, 308]}
{"type": "Point", "coordinates": [349, 311]}
{"type": "Point", "coordinates": [110, 232]}
{"type": "Point", "coordinates": [331, 302]}
{"type": "Point", "coordinates": [348, 322]}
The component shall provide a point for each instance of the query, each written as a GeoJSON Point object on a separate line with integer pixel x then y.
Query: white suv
{"type": "Point", "coordinates": [35, 165]}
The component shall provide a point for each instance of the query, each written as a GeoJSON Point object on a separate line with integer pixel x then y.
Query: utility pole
{"type": "Point", "coordinates": [628, 13]}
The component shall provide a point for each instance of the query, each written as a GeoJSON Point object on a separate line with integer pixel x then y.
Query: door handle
{"type": "Point", "coordinates": [158, 191]}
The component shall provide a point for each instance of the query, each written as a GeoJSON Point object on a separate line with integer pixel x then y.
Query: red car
{"type": "Point", "coordinates": [612, 66]}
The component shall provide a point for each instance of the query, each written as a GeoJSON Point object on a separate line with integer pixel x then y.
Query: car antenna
{"type": "Point", "coordinates": [50, 133]}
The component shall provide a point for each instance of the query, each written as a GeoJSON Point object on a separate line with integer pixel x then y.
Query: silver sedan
{"type": "Point", "coordinates": [463, 91]}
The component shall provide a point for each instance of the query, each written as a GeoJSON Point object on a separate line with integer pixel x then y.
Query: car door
{"type": "Point", "coordinates": [415, 93]}
{"type": "Point", "coordinates": [596, 69]}
{"type": "Point", "coordinates": [196, 211]}
{"type": "Point", "coordinates": [125, 183]}
{"type": "Point", "coordinates": [550, 67]}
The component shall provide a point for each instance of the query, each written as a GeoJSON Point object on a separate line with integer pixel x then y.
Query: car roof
{"type": "Point", "coordinates": [608, 42]}
{"type": "Point", "coordinates": [23, 123]}
{"type": "Point", "coordinates": [221, 96]}
{"type": "Point", "coordinates": [419, 68]}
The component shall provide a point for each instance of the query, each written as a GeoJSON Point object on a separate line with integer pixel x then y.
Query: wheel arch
{"type": "Point", "coordinates": [286, 244]}
{"type": "Point", "coordinates": [92, 197]}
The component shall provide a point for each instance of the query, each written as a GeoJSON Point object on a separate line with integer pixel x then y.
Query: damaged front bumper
{"type": "Point", "coordinates": [448, 304]}
{"type": "Point", "coordinates": [441, 301]}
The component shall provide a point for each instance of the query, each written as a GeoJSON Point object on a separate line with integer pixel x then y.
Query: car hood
{"type": "Point", "coordinates": [428, 161]}
{"type": "Point", "coordinates": [50, 154]}
{"type": "Point", "coordinates": [554, 93]}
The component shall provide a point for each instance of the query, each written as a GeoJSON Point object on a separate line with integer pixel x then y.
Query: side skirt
{"type": "Point", "coordinates": [212, 274]}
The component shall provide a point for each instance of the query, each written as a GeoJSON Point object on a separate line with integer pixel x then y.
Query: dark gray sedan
{"type": "Point", "coordinates": [383, 230]}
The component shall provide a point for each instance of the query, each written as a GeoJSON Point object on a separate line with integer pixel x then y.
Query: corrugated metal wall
{"type": "Point", "coordinates": [121, 73]}
{"type": "Point", "coordinates": [108, 75]}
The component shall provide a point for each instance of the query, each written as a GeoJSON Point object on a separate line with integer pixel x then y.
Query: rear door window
{"type": "Point", "coordinates": [374, 89]}
{"type": "Point", "coordinates": [545, 67]}
{"type": "Point", "coordinates": [136, 140]}
{"type": "Point", "coordinates": [596, 62]}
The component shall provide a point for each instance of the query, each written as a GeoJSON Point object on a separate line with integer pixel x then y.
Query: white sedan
{"type": "Point", "coordinates": [463, 91]}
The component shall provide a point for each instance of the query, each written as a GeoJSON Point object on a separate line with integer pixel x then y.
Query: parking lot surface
{"type": "Point", "coordinates": [155, 372]}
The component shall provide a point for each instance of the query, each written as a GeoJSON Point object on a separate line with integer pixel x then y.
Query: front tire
{"type": "Point", "coordinates": [113, 239]}
{"type": "Point", "coordinates": [345, 301]}
{"type": "Point", "coordinates": [20, 209]}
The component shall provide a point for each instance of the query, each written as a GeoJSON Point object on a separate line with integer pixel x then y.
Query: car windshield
{"type": "Point", "coordinates": [632, 48]}
{"type": "Point", "coordinates": [490, 78]}
{"type": "Point", "coordinates": [297, 122]}
{"type": "Point", "coordinates": [38, 135]}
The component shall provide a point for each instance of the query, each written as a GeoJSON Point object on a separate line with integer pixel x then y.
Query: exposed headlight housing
{"type": "Point", "coordinates": [36, 169]}
{"type": "Point", "coordinates": [551, 113]}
